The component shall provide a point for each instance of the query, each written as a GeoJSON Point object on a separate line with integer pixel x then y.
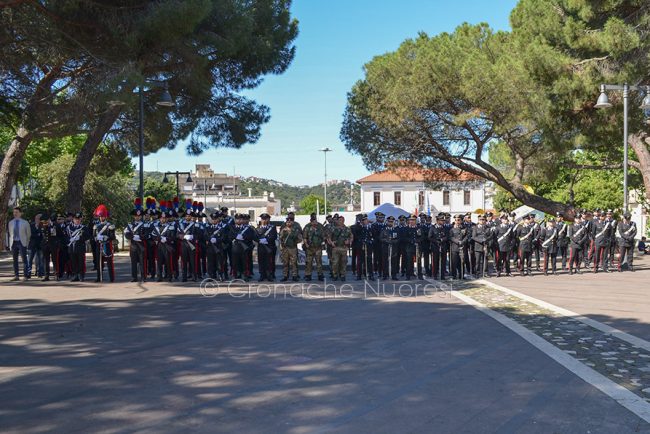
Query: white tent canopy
{"type": "Point", "coordinates": [389, 210]}
{"type": "Point", "coordinates": [525, 210]}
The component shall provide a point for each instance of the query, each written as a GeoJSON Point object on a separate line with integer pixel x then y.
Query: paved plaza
{"type": "Point", "coordinates": [160, 357]}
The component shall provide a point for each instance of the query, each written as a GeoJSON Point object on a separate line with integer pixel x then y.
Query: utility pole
{"type": "Point", "coordinates": [325, 151]}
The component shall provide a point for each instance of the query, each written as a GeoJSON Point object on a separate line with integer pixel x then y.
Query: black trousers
{"type": "Point", "coordinates": [77, 254]}
{"type": "Point", "coordinates": [152, 254]}
{"type": "Point", "coordinates": [601, 257]}
{"type": "Point", "coordinates": [438, 262]}
{"type": "Point", "coordinates": [240, 264]}
{"type": "Point", "coordinates": [552, 258]}
{"type": "Point", "coordinates": [377, 259]}
{"type": "Point", "coordinates": [264, 261]}
{"type": "Point", "coordinates": [51, 253]}
{"type": "Point", "coordinates": [525, 260]}
{"type": "Point", "coordinates": [575, 258]}
{"type": "Point", "coordinates": [165, 264]}
{"type": "Point", "coordinates": [425, 253]}
{"type": "Point", "coordinates": [623, 254]}
{"type": "Point", "coordinates": [105, 261]}
{"type": "Point", "coordinates": [479, 260]}
{"type": "Point", "coordinates": [188, 259]}
{"type": "Point", "coordinates": [136, 252]}
{"type": "Point", "coordinates": [457, 264]}
{"type": "Point", "coordinates": [563, 252]}
{"type": "Point", "coordinates": [364, 261]}
{"type": "Point", "coordinates": [390, 260]}
{"type": "Point", "coordinates": [503, 261]}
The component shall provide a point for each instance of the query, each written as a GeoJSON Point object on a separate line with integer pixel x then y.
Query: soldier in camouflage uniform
{"type": "Point", "coordinates": [313, 236]}
{"type": "Point", "coordinates": [340, 238]}
{"type": "Point", "coordinates": [290, 237]}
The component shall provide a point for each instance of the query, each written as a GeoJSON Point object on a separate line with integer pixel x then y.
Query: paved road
{"type": "Point", "coordinates": [163, 358]}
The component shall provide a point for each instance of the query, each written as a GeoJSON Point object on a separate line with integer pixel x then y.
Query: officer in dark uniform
{"type": "Point", "coordinates": [562, 239]}
{"type": "Point", "coordinates": [535, 243]}
{"type": "Point", "coordinates": [390, 249]}
{"type": "Point", "coordinates": [164, 235]}
{"type": "Point", "coordinates": [189, 235]}
{"type": "Point", "coordinates": [481, 239]}
{"type": "Point", "coordinates": [626, 237]}
{"type": "Point", "coordinates": [52, 239]}
{"type": "Point", "coordinates": [217, 236]}
{"type": "Point", "coordinates": [504, 235]}
{"type": "Point", "coordinates": [401, 228]}
{"type": "Point", "coordinates": [425, 246]}
{"type": "Point", "coordinates": [78, 234]}
{"type": "Point", "coordinates": [149, 244]}
{"type": "Point", "coordinates": [438, 238]}
{"type": "Point", "coordinates": [267, 235]}
{"type": "Point", "coordinates": [364, 242]}
{"type": "Point", "coordinates": [410, 243]}
{"type": "Point", "coordinates": [136, 234]}
{"type": "Point", "coordinates": [468, 249]}
{"type": "Point", "coordinates": [104, 235]}
{"type": "Point", "coordinates": [356, 243]}
{"type": "Point", "coordinates": [525, 234]}
{"type": "Point", "coordinates": [548, 243]}
{"type": "Point", "coordinates": [603, 232]}
{"type": "Point", "coordinates": [243, 241]}
{"type": "Point", "coordinates": [458, 239]}
{"type": "Point", "coordinates": [578, 234]}
{"type": "Point", "coordinates": [377, 256]}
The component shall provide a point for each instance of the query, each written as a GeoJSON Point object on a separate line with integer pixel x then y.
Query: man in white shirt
{"type": "Point", "coordinates": [19, 235]}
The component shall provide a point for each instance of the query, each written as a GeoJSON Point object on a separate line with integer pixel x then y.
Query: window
{"type": "Point", "coordinates": [421, 198]}
{"type": "Point", "coordinates": [398, 198]}
{"type": "Point", "coordinates": [467, 197]}
{"type": "Point", "coordinates": [376, 198]}
{"type": "Point", "coordinates": [445, 197]}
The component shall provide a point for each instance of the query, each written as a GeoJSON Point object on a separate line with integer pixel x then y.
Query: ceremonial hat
{"type": "Point", "coordinates": [380, 214]}
{"type": "Point", "coordinates": [265, 216]}
{"type": "Point", "coordinates": [224, 209]}
{"type": "Point", "coordinates": [175, 204]}
{"type": "Point", "coordinates": [137, 204]}
{"type": "Point", "coordinates": [440, 217]}
{"type": "Point", "coordinates": [101, 211]}
{"type": "Point", "coordinates": [559, 214]}
{"type": "Point", "coordinates": [627, 215]}
{"type": "Point", "coordinates": [312, 216]}
{"type": "Point", "coordinates": [489, 214]}
{"type": "Point", "coordinates": [390, 218]}
{"type": "Point", "coordinates": [78, 215]}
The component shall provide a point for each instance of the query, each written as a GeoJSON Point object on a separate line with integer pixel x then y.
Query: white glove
{"type": "Point", "coordinates": [264, 241]}
{"type": "Point", "coordinates": [101, 238]}
{"type": "Point", "coordinates": [240, 237]}
{"type": "Point", "coordinates": [136, 238]}
{"type": "Point", "coordinates": [189, 237]}
{"type": "Point", "coordinates": [163, 239]}
{"type": "Point", "coordinates": [213, 240]}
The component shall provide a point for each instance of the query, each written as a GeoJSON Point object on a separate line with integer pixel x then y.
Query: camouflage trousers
{"type": "Point", "coordinates": [314, 254]}
{"type": "Point", "coordinates": [339, 261]}
{"type": "Point", "coordinates": [289, 257]}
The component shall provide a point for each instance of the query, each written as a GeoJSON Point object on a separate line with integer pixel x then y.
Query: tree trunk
{"type": "Point", "coordinates": [541, 203]}
{"type": "Point", "coordinates": [77, 175]}
{"type": "Point", "coordinates": [9, 171]}
{"type": "Point", "coordinates": [638, 143]}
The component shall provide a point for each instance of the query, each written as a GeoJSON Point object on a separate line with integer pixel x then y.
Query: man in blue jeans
{"type": "Point", "coordinates": [19, 236]}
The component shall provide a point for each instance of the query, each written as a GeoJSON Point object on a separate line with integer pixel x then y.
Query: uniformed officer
{"type": "Point", "coordinates": [78, 234]}
{"type": "Point", "coordinates": [244, 238]}
{"type": "Point", "coordinates": [217, 235]}
{"type": "Point", "coordinates": [377, 256]}
{"type": "Point", "coordinates": [165, 235]}
{"type": "Point", "coordinates": [267, 235]}
{"type": "Point", "coordinates": [481, 238]}
{"type": "Point", "coordinates": [578, 234]}
{"type": "Point", "coordinates": [504, 235]}
{"type": "Point", "coordinates": [424, 246]}
{"type": "Point", "coordinates": [313, 236]}
{"type": "Point", "coordinates": [364, 242]}
{"type": "Point", "coordinates": [52, 238]}
{"type": "Point", "coordinates": [548, 242]}
{"type": "Point", "coordinates": [390, 249]}
{"type": "Point", "coordinates": [104, 235]}
{"type": "Point", "coordinates": [603, 231]}
{"type": "Point", "coordinates": [626, 233]}
{"type": "Point", "coordinates": [525, 233]}
{"type": "Point", "coordinates": [340, 238]}
{"type": "Point", "coordinates": [290, 236]}
{"type": "Point", "coordinates": [458, 238]}
{"type": "Point", "coordinates": [135, 233]}
{"type": "Point", "coordinates": [189, 235]}
{"type": "Point", "coordinates": [439, 239]}
{"type": "Point", "coordinates": [562, 239]}
{"type": "Point", "coordinates": [356, 243]}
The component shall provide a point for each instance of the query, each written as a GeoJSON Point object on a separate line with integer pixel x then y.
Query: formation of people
{"type": "Point", "coordinates": [170, 242]}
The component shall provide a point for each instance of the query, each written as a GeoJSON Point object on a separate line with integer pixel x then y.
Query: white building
{"type": "Point", "coordinates": [414, 188]}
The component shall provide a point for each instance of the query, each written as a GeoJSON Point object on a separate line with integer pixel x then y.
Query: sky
{"type": "Point", "coordinates": [307, 102]}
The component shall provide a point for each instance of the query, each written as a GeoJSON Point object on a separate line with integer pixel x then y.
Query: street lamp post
{"type": "Point", "coordinates": [325, 151]}
{"type": "Point", "coordinates": [603, 102]}
{"type": "Point", "coordinates": [189, 179]}
{"type": "Point", "coordinates": [164, 101]}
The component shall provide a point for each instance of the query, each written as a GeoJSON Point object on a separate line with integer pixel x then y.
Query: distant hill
{"type": "Point", "coordinates": [338, 192]}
